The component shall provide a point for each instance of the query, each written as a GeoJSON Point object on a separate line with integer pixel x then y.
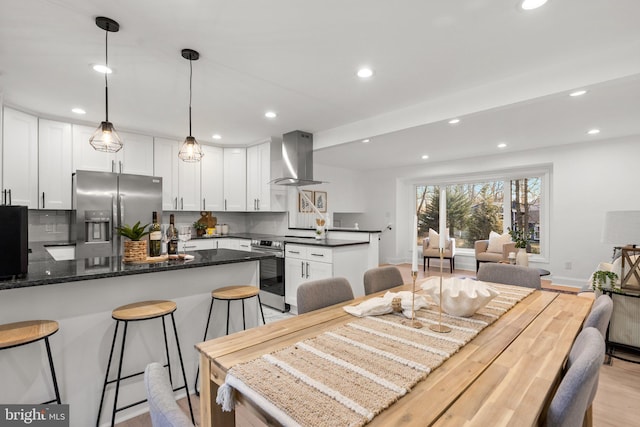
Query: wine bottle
{"type": "Point", "coordinates": [172, 235]}
{"type": "Point", "coordinates": [155, 236]}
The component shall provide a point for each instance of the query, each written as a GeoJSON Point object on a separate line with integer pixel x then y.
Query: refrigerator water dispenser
{"type": "Point", "coordinates": [97, 225]}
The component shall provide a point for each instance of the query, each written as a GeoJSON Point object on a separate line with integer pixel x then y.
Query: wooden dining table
{"type": "Point", "coordinates": [506, 375]}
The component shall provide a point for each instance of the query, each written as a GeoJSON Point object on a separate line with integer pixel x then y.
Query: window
{"type": "Point", "coordinates": [474, 209]}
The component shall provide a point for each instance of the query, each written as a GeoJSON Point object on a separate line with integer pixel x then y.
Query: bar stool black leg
{"type": "Point", "coordinates": [53, 371]}
{"type": "Point", "coordinates": [115, 399]}
{"type": "Point", "coordinates": [106, 375]}
{"type": "Point", "coordinates": [166, 349]}
{"type": "Point", "coordinates": [244, 324]}
{"type": "Point", "coordinates": [228, 313]}
{"type": "Point", "coordinates": [261, 312]}
{"type": "Point", "coordinates": [204, 338]}
{"type": "Point", "coordinates": [184, 376]}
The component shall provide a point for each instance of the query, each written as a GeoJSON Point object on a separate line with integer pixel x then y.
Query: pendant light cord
{"type": "Point", "coordinates": [106, 64]}
{"type": "Point", "coordinates": [190, 83]}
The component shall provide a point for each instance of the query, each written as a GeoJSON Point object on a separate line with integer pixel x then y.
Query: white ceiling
{"type": "Point", "coordinates": [506, 73]}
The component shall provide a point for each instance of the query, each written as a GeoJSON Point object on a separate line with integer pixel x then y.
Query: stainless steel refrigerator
{"type": "Point", "coordinates": [103, 201]}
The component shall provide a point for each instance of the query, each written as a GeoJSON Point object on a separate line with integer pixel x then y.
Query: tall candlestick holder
{"type": "Point", "coordinates": [413, 322]}
{"type": "Point", "coordinates": [440, 327]}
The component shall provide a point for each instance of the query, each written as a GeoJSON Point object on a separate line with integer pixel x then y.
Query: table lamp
{"type": "Point", "coordinates": [622, 228]}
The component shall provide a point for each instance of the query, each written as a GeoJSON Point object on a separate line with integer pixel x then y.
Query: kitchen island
{"type": "Point", "coordinates": [80, 295]}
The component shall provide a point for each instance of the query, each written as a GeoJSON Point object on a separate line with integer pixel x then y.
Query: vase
{"type": "Point", "coordinates": [522, 258]}
{"type": "Point", "coordinates": [135, 250]}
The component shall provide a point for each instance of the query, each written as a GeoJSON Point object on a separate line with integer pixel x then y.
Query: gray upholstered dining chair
{"type": "Point", "coordinates": [322, 293]}
{"type": "Point", "coordinates": [576, 391]}
{"type": "Point", "coordinates": [600, 314]}
{"type": "Point", "coordinates": [381, 278]}
{"type": "Point", "coordinates": [163, 408]}
{"type": "Point", "coordinates": [510, 275]}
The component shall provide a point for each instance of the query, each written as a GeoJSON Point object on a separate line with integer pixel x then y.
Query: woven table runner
{"type": "Point", "coordinates": [348, 375]}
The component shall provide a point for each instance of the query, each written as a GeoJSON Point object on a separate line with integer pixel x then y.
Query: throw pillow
{"type": "Point", "coordinates": [496, 241]}
{"type": "Point", "coordinates": [434, 239]}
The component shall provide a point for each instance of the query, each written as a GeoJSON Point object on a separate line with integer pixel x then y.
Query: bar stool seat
{"type": "Point", "coordinates": [231, 293]}
{"type": "Point", "coordinates": [141, 311]}
{"type": "Point", "coordinates": [27, 332]}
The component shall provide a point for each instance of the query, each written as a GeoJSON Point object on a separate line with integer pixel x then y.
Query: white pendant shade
{"type": "Point", "coordinates": [106, 139]}
{"type": "Point", "coordinates": [190, 150]}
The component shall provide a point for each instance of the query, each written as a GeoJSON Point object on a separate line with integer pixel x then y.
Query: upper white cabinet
{"type": "Point", "coordinates": [165, 165]}
{"type": "Point", "coordinates": [54, 171]}
{"type": "Point", "coordinates": [20, 158]}
{"type": "Point", "coordinates": [85, 157]}
{"type": "Point", "coordinates": [180, 180]}
{"type": "Point", "coordinates": [136, 156]}
{"type": "Point", "coordinates": [212, 178]}
{"type": "Point", "coordinates": [264, 163]}
{"type": "Point", "coordinates": [235, 179]}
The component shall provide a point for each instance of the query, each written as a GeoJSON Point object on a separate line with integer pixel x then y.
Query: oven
{"type": "Point", "coordinates": [271, 273]}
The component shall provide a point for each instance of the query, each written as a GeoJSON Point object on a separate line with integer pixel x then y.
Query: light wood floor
{"type": "Point", "coordinates": [615, 405]}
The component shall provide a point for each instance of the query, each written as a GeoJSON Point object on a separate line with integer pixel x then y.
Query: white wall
{"type": "Point", "coordinates": [587, 180]}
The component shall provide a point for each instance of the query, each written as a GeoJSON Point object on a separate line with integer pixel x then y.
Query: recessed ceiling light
{"type": "Point", "coordinates": [425, 157]}
{"type": "Point", "coordinates": [454, 121]}
{"type": "Point", "coordinates": [502, 145]}
{"type": "Point", "coordinates": [102, 69]}
{"type": "Point", "coordinates": [78, 111]}
{"type": "Point", "coordinates": [366, 141]}
{"type": "Point", "coordinates": [365, 73]}
{"type": "Point", "coordinates": [532, 4]}
{"type": "Point", "coordinates": [270, 115]}
{"type": "Point", "coordinates": [594, 131]}
{"type": "Point", "coordinates": [578, 92]}
{"type": "Point", "coordinates": [216, 136]}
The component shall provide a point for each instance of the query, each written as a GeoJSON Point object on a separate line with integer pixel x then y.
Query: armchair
{"type": "Point", "coordinates": [433, 251]}
{"type": "Point", "coordinates": [482, 255]}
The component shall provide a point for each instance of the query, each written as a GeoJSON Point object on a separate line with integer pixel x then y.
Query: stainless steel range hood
{"type": "Point", "coordinates": [297, 159]}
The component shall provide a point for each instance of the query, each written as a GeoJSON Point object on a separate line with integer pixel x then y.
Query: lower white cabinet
{"type": "Point", "coordinates": [303, 264]}
{"type": "Point", "coordinates": [197, 245]}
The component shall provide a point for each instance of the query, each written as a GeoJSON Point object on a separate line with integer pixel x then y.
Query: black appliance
{"type": "Point", "coordinates": [271, 273]}
{"type": "Point", "coordinates": [15, 252]}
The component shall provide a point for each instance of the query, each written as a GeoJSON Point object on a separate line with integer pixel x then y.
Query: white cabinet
{"type": "Point", "coordinates": [136, 155]}
{"type": "Point", "coordinates": [197, 245]}
{"type": "Point", "coordinates": [180, 180]}
{"type": "Point", "coordinates": [212, 178]}
{"type": "Point", "coordinates": [235, 179]}
{"type": "Point", "coordinates": [258, 177]}
{"type": "Point", "coordinates": [303, 264]}
{"type": "Point", "coordinates": [54, 165]}
{"type": "Point", "coordinates": [165, 154]}
{"type": "Point", "coordinates": [84, 155]}
{"type": "Point", "coordinates": [236, 244]}
{"type": "Point", "coordinates": [188, 185]}
{"type": "Point", "coordinates": [20, 158]}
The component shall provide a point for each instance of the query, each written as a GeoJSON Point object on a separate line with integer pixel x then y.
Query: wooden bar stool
{"type": "Point", "coordinates": [231, 293]}
{"type": "Point", "coordinates": [139, 311]}
{"type": "Point", "coordinates": [30, 331]}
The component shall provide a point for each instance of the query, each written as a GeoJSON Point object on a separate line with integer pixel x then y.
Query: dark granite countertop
{"type": "Point", "coordinates": [44, 270]}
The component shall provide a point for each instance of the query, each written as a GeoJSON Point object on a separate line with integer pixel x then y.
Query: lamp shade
{"type": "Point", "coordinates": [105, 138]}
{"type": "Point", "coordinates": [621, 228]}
{"type": "Point", "coordinates": [190, 150]}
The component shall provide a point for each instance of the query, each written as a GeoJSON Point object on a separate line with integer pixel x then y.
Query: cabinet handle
{"type": "Point", "coordinates": [317, 254]}
{"type": "Point", "coordinates": [181, 203]}
{"type": "Point", "coordinates": [43, 200]}
{"type": "Point", "coordinates": [294, 252]}
{"type": "Point", "coordinates": [120, 165]}
{"type": "Point", "coordinates": [257, 204]}
{"type": "Point", "coordinates": [302, 269]}
{"type": "Point", "coordinates": [307, 270]}
{"type": "Point", "coordinates": [4, 197]}
{"type": "Point", "coordinates": [204, 203]}
{"type": "Point", "coordinates": [113, 166]}
{"type": "Point", "coordinates": [10, 202]}
{"type": "Point", "coordinates": [190, 247]}
{"type": "Point", "coordinates": [176, 203]}
{"type": "Point", "coordinates": [225, 204]}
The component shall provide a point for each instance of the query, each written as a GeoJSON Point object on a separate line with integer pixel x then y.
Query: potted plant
{"type": "Point", "coordinates": [603, 279]}
{"type": "Point", "coordinates": [134, 248]}
{"type": "Point", "coordinates": [521, 239]}
{"type": "Point", "coordinates": [200, 228]}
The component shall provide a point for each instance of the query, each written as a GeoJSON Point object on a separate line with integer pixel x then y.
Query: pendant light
{"type": "Point", "coordinates": [105, 138]}
{"type": "Point", "coordinates": [190, 150]}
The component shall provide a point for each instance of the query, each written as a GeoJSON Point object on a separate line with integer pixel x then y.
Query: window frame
{"type": "Point", "coordinates": [505, 175]}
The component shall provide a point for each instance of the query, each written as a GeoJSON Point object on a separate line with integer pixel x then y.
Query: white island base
{"type": "Point", "coordinates": [81, 347]}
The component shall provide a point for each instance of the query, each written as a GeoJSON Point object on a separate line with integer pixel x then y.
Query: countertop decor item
{"type": "Point", "coordinates": [134, 248]}
{"type": "Point", "coordinates": [200, 228]}
{"type": "Point", "coordinates": [105, 138]}
{"type": "Point", "coordinates": [460, 297]}
{"type": "Point", "coordinates": [603, 279]}
{"type": "Point", "coordinates": [190, 150]}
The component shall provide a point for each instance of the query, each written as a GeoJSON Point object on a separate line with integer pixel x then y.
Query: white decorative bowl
{"type": "Point", "coordinates": [460, 297]}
